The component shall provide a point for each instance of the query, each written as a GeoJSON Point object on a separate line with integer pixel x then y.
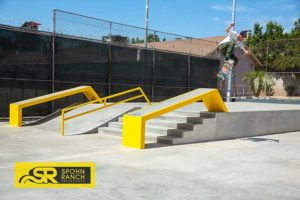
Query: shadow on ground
{"type": "Point", "coordinates": [261, 140]}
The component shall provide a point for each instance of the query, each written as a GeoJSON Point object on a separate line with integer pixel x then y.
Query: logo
{"type": "Point", "coordinates": [54, 175]}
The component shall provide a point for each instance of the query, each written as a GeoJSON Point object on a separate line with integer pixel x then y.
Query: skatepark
{"type": "Point", "coordinates": [251, 160]}
{"type": "Point", "coordinates": [96, 109]}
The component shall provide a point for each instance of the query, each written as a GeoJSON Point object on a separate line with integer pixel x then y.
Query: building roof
{"type": "Point", "coordinates": [197, 46]}
{"type": "Point", "coordinates": [194, 46]}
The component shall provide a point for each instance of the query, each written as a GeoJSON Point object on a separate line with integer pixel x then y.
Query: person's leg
{"type": "Point", "coordinates": [222, 48]}
{"type": "Point", "coordinates": [229, 52]}
{"type": "Point", "coordinates": [236, 60]}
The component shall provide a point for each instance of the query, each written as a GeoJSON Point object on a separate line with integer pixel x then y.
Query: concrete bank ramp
{"type": "Point", "coordinates": [88, 123]}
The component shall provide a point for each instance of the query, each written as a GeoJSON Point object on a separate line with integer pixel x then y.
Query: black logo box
{"type": "Point", "coordinates": [62, 171]}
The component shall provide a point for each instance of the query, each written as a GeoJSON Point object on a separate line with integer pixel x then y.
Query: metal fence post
{"type": "Point", "coordinates": [153, 76]}
{"type": "Point", "coordinates": [110, 32]}
{"type": "Point", "coordinates": [146, 23]}
{"type": "Point", "coordinates": [53, 54]}
{"type": "Point", "coordinates": [266, 68]}
{"type": "Point", "coordinates": [189, 66]}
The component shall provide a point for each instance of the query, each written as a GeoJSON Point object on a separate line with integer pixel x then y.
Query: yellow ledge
{"type": "Point", "coordinates": [134, 123]}
{"type": "Point", "coordinates": [15, 109]}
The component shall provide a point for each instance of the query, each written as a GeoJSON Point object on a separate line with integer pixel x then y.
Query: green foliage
{"type": "Point", "coordinates": [136, 40]}
{"type": "Point", "coordinates": [276, 49]}
{"type": "Point", "coordinates": [257, 80]}
{"type": "Point", "coordinates": [150, 38]}
{"type": "Point", "coordinates": [295, 32]}
{"type": "Point", "coordinates": [273, 31]}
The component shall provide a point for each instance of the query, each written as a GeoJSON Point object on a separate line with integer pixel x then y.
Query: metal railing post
{"type": "Point", "coordinates": [53, 54]}
{"type": "Point", "coordinates": [146, 23]}
{"type": "Point", "coordinates": [266, 68]}
{"type": "Point", "coordinates": [230, 76]}
{"type": "Point", "coordinates": [110, 32]}
{"type": "Point", "coordinates": [62, 129]}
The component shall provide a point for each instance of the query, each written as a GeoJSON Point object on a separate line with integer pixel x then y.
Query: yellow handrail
{"type": "Point", "coordinates": [104, 100]}
{"type": "Point", "coordinates": [16, 109]}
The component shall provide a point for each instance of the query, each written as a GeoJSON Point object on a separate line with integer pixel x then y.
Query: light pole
{"type": "Point", "coordinates": [229, 83]}
{"type": "Point", "coordinates": [146, 23]}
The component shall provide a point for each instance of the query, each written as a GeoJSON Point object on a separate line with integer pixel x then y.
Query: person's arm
{"type": "Point", "coordinates": [229, 27]}
{"type": "Point", "coordinates": [244, 49]}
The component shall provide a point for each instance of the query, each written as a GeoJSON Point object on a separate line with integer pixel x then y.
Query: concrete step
{"type": "Point", "coordinates": [149, 128]}
{"type": "Point", "coordinates": [180, 119]}
{"type": "Point", "coordinates": [171, 117]}
{"type": "Point", "coordinates": [157, 129]}
{"type": "Point", "coordinates": [117, 131]}
{"type": "Point", "coordinates": [207, 115]}
{"type": "Point", "coordinates": [115, 124]}
{"type": "Point", "coordinates": [178, 132]}
{"type": "Point", "coordinates": [175, 127]}
{"type": "Point", "coordinates": [186, 113]}
{"type": "Point", "coordinates": [164, 123]}
{"type": "Point", "coordinates": [170, 124]}
{"type": "Point", "coordinates": [159, 126]}
{"type": "Point", "coordinates": [167, 139]}
{"type": "Point", "coordinates": [185, 126]}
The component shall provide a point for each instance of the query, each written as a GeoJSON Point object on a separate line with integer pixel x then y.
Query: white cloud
{"type": "Point", "coordinates": [216, 19]}
{"type": "Point", "coordinates": [227, 8]}
{"type": "Point", "coordinates": [222, 7]}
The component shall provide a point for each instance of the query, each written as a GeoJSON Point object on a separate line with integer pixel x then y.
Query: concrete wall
{"type": "Point", "coordinates": [247, 124]}
{"type": "Point", "coordinates": [281, 80]}
{"type": "Point", "coordinates": [242, 124]}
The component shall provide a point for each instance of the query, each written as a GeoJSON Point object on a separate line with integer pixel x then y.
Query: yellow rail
{"type": "Point", "coordinates": [16, 109]}
{"type": "Point", "coordinates": [134, 123]}
{"type": "Point", "coordinates": [105, 105]}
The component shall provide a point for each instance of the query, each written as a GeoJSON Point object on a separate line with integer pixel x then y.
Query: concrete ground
{"type": "Point", "coordinates": [265, 167]}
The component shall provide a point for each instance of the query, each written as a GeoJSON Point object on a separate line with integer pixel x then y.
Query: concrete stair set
{"type": "Point", "coordinates": [177, 127]}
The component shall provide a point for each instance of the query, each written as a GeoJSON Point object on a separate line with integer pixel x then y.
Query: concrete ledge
{"type": "Point", "coordinates": [243, 124]}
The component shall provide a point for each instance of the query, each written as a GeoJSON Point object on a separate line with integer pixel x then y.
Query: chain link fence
{"type": "Point", "coordinates": [111, 57]}
{"type": "Point", "coordinates": [80, 26]}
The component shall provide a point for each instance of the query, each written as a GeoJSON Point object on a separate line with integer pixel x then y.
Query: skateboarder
{"type": "Point", "coordinates": [227, 46]}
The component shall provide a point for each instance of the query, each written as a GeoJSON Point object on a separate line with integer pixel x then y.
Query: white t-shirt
{"type": "Point", "coordinates": [232, 37]}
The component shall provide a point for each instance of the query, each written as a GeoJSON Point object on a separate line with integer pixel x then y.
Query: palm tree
{"type": "Point", "coordinates": [253, 77]}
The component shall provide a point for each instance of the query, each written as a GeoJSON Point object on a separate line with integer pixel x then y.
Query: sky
{"type": "Point", "coordinates": [194, 18]}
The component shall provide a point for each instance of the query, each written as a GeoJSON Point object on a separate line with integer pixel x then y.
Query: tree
{"type": "Point", "coordinates": [273, 31]}
{"type": "Point", "coordinates": [151, 38]}
{"type": "Point", "coordinates": [257, 35]}
{"type": "Point", "coordinates": [275, 48]}
{"type": "Point", "coordinates": [136, 40]}
{"type": "Point", "coordinates": [295, 32]}
{"type": "Point", "coordinates": [255, 80]}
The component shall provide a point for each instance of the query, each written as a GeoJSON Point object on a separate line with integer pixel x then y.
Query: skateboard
{"type": "Point", "coordinates": [225, 70]}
